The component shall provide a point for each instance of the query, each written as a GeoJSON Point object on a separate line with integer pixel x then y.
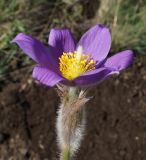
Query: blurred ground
{"type": "Point", "coordinates": [116, 116]}
{"type": "Point", "coordinates": [116, 119]}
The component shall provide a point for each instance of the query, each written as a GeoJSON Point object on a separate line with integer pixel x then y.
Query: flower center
{"type": "Point", "coordinates": [73, 64]}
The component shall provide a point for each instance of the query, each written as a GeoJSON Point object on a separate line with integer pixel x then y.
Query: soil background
{"type": "Point", "coordinates": [116, 118]}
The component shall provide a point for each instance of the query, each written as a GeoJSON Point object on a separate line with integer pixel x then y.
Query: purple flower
{"type": "Point", "coordinates": [76, 64]}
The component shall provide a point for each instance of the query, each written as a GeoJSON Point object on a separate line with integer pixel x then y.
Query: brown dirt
{"type": "Point", "coordinates": [116, 118]}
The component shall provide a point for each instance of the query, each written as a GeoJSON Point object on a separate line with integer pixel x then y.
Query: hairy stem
{"type": "Point", "coordinates": [70, 120]}
{"type": "Point", "coordinates": [72, 93]}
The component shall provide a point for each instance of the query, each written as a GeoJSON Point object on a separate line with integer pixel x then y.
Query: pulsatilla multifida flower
{"type": "Point", "coordinates": [71, 65]}
{"type": "Point", "coordinates": [75, 64]}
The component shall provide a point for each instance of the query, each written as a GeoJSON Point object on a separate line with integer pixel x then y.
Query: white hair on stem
{"type": "Point", "coordinates": [71, 121]}
{"type": "Point", "coordinates": [68, 138]}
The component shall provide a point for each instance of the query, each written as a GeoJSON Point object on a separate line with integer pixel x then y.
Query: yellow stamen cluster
{"type": "Point", "coordinates": [71, 66]}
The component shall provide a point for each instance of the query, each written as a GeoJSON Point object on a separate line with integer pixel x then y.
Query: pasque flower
{"type": "Point", "coordinates": [75, 64]}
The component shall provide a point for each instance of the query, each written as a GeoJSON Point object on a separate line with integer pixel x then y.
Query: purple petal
{"type": "Point", "coordinates": [61, 40]}
{"type": "Point", "coordinates": [120, 61]}
{"type": "Point", "coordinates": [34, 49]}
{"type": "Point", "coordinates": [96, 42]}
{"type": "Point", "coordinates": [94, 77]}
{"type": "Point", "coordinates": [46, 76]}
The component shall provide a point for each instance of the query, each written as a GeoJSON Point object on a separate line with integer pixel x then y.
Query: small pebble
{"type": "Point", "coordinates": [136, 138]}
